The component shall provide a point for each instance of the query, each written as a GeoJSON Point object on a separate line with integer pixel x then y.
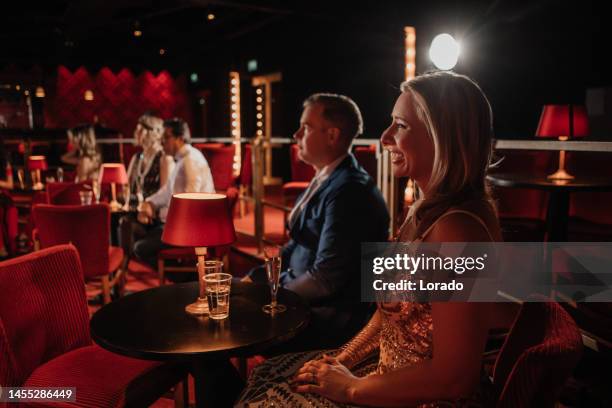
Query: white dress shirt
{"type": "Point", "coordinates": [191, 174]}
{"type": "Point", "coordinates": [314, 185]}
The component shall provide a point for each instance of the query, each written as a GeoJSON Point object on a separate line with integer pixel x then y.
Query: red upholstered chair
{"type": "Point", "coordinates": [539, 354]}
{"type": "Point", "coordinates": [64, 193]}
{"type": "Point", "coordinates": [88, 228]}
{"type": "Point", "coordinates": [45, 340]}
{"type": "Point", "coordinates": [301, 174]}
{"type": "Point", "coordinates": [366, 156]}
{"type": "Point", "coordinates": [221, 162]}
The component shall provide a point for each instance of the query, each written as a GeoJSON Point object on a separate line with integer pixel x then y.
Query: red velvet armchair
{"type": "Point", "coordinates": [88, 228]}
{"type": "Point", "coordinates": [45, 340]}
{"type": "Point", "coordinates": [539, 354]}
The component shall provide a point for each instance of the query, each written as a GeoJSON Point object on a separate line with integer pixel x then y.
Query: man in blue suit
{"type": "Point", "coordinates": [340, 209]}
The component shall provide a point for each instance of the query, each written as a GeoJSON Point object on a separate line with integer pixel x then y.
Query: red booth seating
{"type": "Point", "coordinates": [540, 352]}
{"type": "Point", "coordinates": [88, 228]}
{"type": "Point", "coordinates": [45, 340]}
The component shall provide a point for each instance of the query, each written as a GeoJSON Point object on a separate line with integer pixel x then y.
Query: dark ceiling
{"type": "Point", "coordinates": [523, 53]}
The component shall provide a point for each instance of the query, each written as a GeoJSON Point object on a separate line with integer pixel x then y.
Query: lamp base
{"type": "Point", "coordinates": [198, 308]}
{"type": "Point", "coordinates": [560, 174]}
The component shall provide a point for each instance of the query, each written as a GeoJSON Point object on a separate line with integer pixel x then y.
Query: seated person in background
{"type": "Point", "coordinates": [191, 174]}
{"type": "Point", "coordinates": [148, 172]}
{"type": "Point", "coordinates": [83, 153]}
{"type": "Point", "coordinates": [440, 136]}
{"type": "Point", "coordinates": [341, 208]}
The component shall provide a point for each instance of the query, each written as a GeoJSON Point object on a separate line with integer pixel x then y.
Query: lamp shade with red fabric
{"type": "Point", "coordinates": [37, 163]}
{"type": "Point", "coordinates": [113, 173]}
{"type": "Point", "coordinates": [199, 220]}
{"type": "Point", "coordinates": [556, 120]}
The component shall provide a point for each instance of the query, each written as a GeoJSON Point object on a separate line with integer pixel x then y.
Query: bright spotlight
{"type": "Point", "coordinates": [444, 51]}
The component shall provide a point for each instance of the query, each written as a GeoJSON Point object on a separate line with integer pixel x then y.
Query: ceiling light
{"type": "Point", "coordinates": [210, 16]}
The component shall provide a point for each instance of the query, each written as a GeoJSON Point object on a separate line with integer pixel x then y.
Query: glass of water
{"type": "Point", "coordinates": [218, 287]}
{"type": "Point", "coordinates": [273, 270]}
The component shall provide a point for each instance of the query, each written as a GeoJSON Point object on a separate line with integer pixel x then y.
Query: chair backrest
{"type": "Point", "coordinates": [366, 156]}
{"type": "Point", "coordinates": [43, 311]}
{"type": "Point", "coordinates": [64, 193]}
{"type": "Point", "coordinates": [300, 171]}
{"type": "Point", "coordinates": [540, 352]}
{"type": "Point", "coordinates": [87, 227]}
{"type": "Point", "coordinates": [221, 162]}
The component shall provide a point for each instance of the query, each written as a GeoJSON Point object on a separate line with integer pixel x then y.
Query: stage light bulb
{"type": "Point", "coordinates": [444, 51]}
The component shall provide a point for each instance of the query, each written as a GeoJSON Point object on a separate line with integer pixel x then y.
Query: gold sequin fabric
{"type": "Point", "coordinates": [406, 335]}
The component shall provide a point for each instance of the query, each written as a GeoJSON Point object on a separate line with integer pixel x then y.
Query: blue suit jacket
{"type": "Point", "coordinates": [323, 254]}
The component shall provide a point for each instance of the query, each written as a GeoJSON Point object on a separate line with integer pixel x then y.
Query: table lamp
{"type": "Point", "coordinates": [113, 173]}
{"type": "Point", "coordinates": [35, 165]}
{"type": "Point", "coordinates": [199, 220]}
{"type": "Point", "coordinates": [564, 122]}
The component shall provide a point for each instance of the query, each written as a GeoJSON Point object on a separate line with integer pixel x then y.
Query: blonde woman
{"type": "Point", "coordinates": [429, 353]}
{"type": "Point", "coordinates": [84, 153]}
{"type": "Point", "coordinates": [148, 172]}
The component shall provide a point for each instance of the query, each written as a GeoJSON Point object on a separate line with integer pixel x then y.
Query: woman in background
{"type": "Point", "coordinates": [148, 171]}
{"type": "Point", "coordinates": [84, 154]}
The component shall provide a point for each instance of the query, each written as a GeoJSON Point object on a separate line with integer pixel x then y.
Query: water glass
{"type": "Point", "coordinates": [218, 294]}
{"type": "Point", "coordinates": [86, 197]}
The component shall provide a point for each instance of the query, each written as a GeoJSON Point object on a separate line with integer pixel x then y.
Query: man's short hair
{"type": "Point", "coordinates": [179, 128]}
{"type": "Point", "coordinates": [341, 111]}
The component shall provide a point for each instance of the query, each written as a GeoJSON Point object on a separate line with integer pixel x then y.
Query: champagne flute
{"type": "Point", "coordinates": [273, 269]}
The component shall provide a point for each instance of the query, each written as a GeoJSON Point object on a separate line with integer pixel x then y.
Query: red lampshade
{"type": "Point", "coordinates": [199, 220]}
{"type": "Point", "coordinates": [556, 121]}
{"type": "Point", "coordinates": [113, 173]}
{"type": "Point", "coordinates": [37, 163]}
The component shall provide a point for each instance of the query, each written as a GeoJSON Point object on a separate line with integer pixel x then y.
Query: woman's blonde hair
{"type": "Point", "coordinates": [459, 120]}
{"type": "Point", "coordinates": [84, 139]}
{"type": "Point", "coordinates": [153, 130]}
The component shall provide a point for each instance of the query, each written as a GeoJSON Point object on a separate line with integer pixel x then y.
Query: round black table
{"type": "Point", "coordinates": [558, 203]}
{"type": "Point", "coordinates": [153, 325]}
